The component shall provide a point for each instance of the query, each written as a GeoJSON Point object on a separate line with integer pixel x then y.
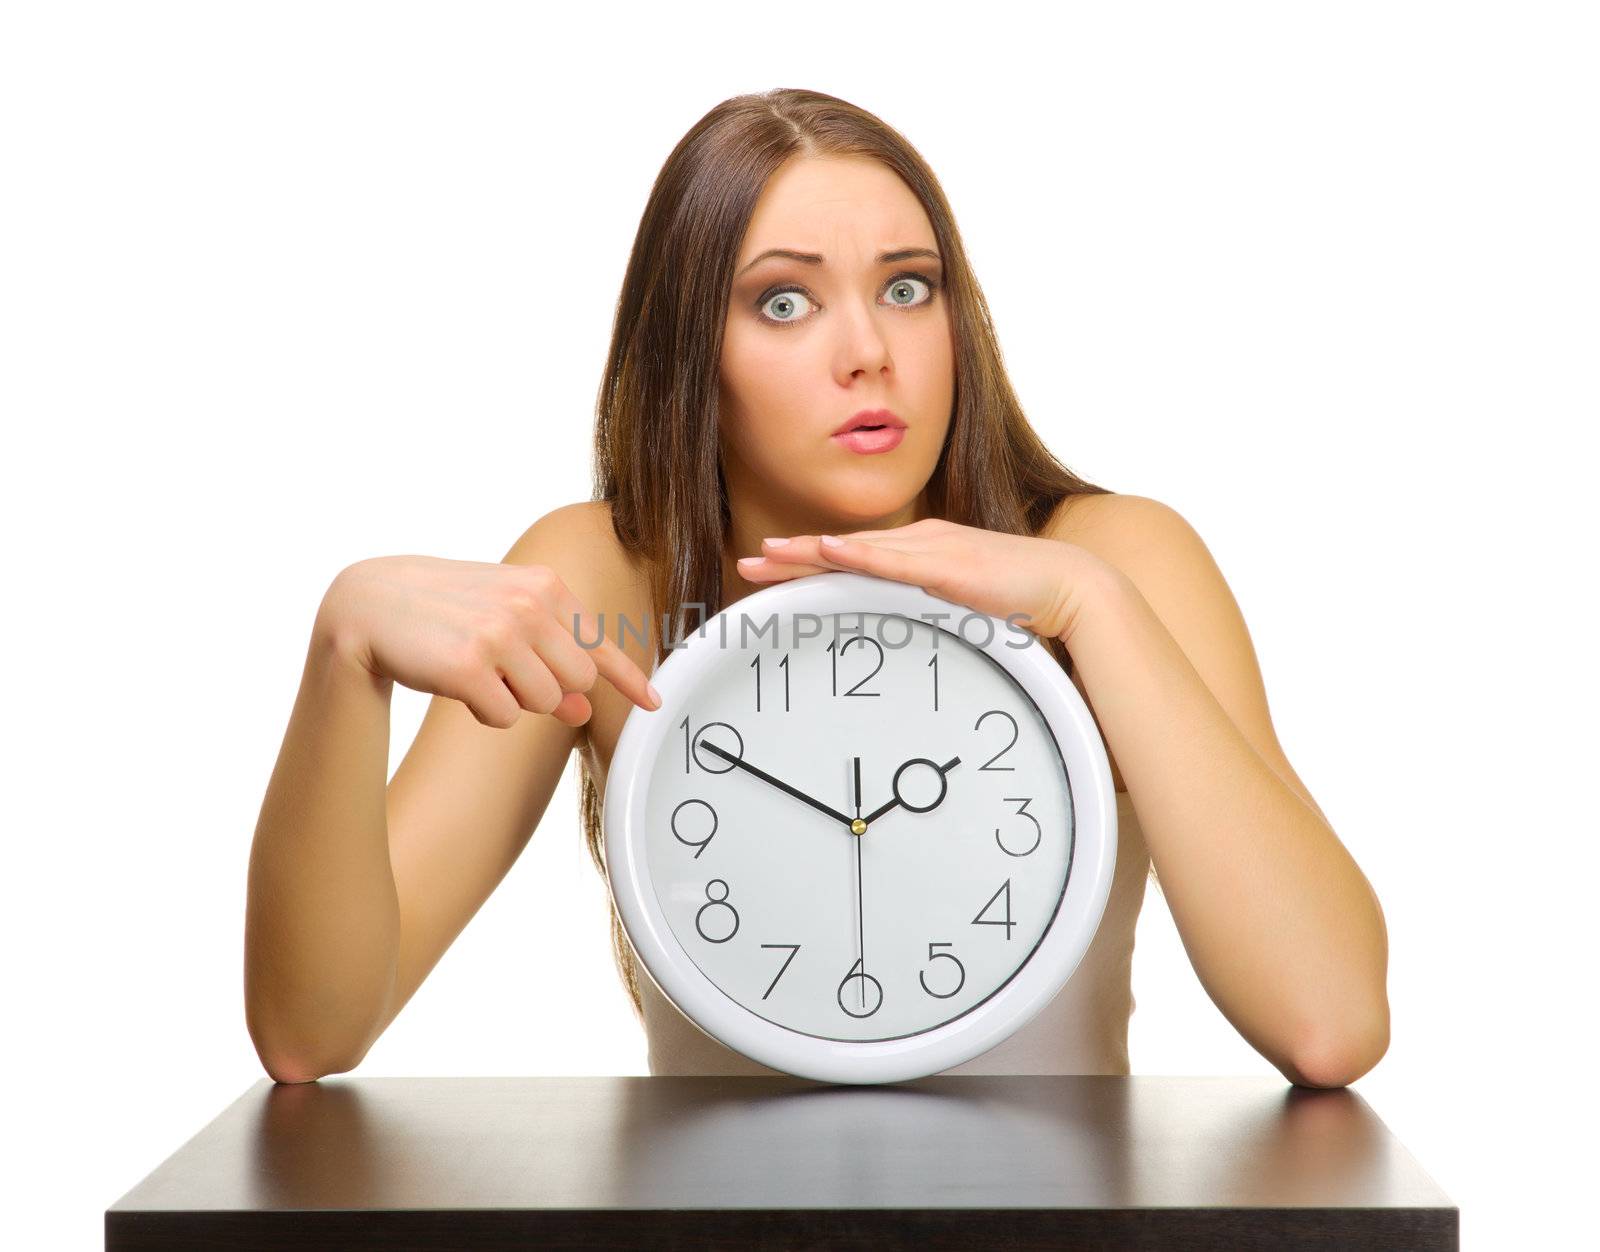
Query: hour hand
{"type": "Point", "coordinates": [898, 802]}
{"type": "Point", "coordinates": [776, 782]}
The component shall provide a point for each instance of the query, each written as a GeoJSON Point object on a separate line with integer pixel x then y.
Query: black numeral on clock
{"type": "Point", "coordinates": [794, 949]}
{"type": "Point", "coordinates": [691, 748]}
{"type": "Point", "coordinates": [981, 920]}
{"type": "Point", "coordinates": [836, 651]}
{"type": "Point", "coordinates": [784, 666]}
{"type": "Point", "coordinates": [990, 763]}
{"type": "Point", "coordinates": [716, 911]}
{"type": "Point", "coordinates": [868, 997]}
{"type": "Point", "coordinates": [961, 975]}
{"type": "Point", "coordinates": [699, 845]}
{"type": "Point", "coordinates": [1038, 830]}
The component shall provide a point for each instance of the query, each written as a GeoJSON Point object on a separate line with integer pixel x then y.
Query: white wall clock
{"type": "Point", "coordinates": [869, 833]}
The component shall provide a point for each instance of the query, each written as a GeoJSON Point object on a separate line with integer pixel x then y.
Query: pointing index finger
{"type": "Point", "coordinates": [626, 675]}
{"type": "Point", "coordinates": [615, 665]}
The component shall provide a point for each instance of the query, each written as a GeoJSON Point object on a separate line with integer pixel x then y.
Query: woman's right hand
{"type": "Point", "coordinates": [499, 638]}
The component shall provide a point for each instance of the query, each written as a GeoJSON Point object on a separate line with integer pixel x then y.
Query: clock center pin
{"type": "Point", "coordinates": [858, 827]}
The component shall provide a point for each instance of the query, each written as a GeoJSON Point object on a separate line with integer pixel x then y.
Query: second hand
{"type": "Point", "coordinates": [861, 924]}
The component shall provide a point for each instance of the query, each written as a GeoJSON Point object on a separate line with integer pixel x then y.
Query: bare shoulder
{"type": "Point", "coordinates": [581, 529]}
{"type": "Point", "coordinates": [1119, 528]}
{"type": "Point", "coordinates": [578, 542]}
{"type": "Point", "coordinates": [1149, 542]}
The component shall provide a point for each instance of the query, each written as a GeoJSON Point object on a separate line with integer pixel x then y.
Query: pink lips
{"type": "Point", "coordinates": [871, 430]}
{"type": "Point", "coordinates": [868, 441]}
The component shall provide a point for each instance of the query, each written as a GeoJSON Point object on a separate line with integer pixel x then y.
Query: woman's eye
{"type": "Point", "coordinates": [783, 305]}
{"type": "Point", "coordinates": [786, 306]}
{"type": "Point", "coordinates": [907, 282]}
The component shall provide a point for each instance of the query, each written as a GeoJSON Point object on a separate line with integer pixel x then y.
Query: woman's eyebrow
{"type": "Point", "coordinates": [813, 258]}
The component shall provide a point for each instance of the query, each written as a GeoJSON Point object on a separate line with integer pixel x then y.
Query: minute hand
{"type": "Point", "coordinates": [776, 782]}
{"type": "Point", "coordinates": [884, 808]}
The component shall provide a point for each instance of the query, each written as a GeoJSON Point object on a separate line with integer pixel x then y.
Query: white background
{"type": "Point", "coordinates": [285, 286]}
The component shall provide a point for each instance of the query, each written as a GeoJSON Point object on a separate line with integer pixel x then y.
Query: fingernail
{"type": "Point", "coordinates": [776, 543]}
{"type": "Point", "coordinates": [654, 694]}
{"type": "Point", "coordinates": [751, 560]}
{"type": "Point", "coordinates": [829, 541]}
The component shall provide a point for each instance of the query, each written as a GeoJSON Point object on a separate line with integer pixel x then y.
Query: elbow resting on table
{"type": "Point", "coordinates": [1338, 1058]}
{"type": "Point", "coordinates": [290, 1070]}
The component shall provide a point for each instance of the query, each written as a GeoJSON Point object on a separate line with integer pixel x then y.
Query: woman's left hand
{"type": "Point", "coordinates": [1042, 584]}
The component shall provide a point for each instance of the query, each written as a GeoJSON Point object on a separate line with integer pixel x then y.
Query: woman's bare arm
{"type": "Point", "coordinates": [322, 919]}
{"type": "Point", "coordinates": [357, 888]}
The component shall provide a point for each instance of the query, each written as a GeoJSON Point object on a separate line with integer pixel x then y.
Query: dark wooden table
{"type": "Point", "coordinates": [943, 1162]}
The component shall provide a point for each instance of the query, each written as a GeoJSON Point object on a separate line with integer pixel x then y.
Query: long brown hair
{"type": "Point", "coordinates": [656, 421]}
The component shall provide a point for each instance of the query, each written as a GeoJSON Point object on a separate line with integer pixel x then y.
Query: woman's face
{"type": "Point", "coordinates": [807, 346]}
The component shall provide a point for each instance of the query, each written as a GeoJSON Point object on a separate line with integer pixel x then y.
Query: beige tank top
{"type": "Point", "coordinates": [1084, 1030]}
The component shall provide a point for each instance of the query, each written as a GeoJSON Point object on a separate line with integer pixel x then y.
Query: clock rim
{"type": "Point", "coordinates": [1026, 993]}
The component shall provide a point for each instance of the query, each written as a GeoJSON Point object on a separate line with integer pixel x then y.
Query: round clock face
{"type": "Point", "coordinates": [855, 828]}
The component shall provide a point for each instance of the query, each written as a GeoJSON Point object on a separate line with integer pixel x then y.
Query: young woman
{"type": "Point", "coordinates": [796, 267]}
